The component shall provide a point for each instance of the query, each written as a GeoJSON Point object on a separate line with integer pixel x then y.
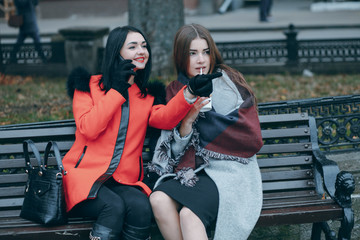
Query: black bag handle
{"type": "Point", "coordinates": [57, 155]}
{"type": "Point", "coordinates": [29, 143]}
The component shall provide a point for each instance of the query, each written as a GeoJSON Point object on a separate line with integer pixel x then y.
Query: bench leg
{"type": "Point", "coordinates": [316, 231]}
{"type": "Point", "coordinates": [329, 234]}
{"type": "Point", "coordinates": [322, 227]}
{"type": "Point", "coordinates": [347, 224]}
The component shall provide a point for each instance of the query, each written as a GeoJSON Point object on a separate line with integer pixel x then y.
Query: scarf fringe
{"type": "Point", "coordinates": [152, 168]}
{"type": "Point", "coordinates": [206, 154]}
{"type": "Point", "coordinates": [187, 177]}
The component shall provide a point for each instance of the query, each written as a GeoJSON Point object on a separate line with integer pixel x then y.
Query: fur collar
{"type": "Point", "coordinates": [79, 79]}
{"type": "Point", "coordinates": [157, 89]}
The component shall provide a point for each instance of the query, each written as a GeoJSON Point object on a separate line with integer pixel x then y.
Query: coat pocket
{"type": "Point", "coordinates": [81, 157]}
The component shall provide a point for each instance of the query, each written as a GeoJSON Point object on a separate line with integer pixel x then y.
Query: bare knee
{"type": "Point", "coordinates": [191, 225]}
{"type": "Point", "coordinates": [160, 200]}
{"type": "Point", "coordinates": [186, 215]}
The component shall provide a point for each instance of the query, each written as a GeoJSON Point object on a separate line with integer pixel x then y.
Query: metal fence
{"type": "Point", "coordinates": [337, 119]}
{"type": "Point", "coordinates": [335, 55]}
{"type": "Point", "coordinates": [278, 52]}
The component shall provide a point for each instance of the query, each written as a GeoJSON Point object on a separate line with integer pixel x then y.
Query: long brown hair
{"type": "Point", "coordinates": [181, 53]}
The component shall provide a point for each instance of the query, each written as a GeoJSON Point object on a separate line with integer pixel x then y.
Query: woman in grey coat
{"type": "Point", "coordinates": [208, 167]}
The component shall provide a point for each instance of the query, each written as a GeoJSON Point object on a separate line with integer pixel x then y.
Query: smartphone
{"type": "Point", "coordinates": [122, 59]}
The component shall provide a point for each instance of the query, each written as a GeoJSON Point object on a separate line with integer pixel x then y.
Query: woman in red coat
{"type": "Point", "coordinates": [112, 112]}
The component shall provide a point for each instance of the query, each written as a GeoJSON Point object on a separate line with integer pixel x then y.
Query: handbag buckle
{"type": "Point", "coordinates": [59, 175]}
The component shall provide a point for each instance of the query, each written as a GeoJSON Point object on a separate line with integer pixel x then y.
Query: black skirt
{"type": "Point", "coordinates": [202, 199]}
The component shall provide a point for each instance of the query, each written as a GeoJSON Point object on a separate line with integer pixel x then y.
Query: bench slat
{"type": "Point", "coordinates": [14, 163]}
{"type": "Point", "coordinates": [288, 185]}
{"type": "Point", "coordinates": [296, 202]}
{"type": "Point", "coordinates": [12, 191]}
{"type": "Point", "coordinates": [287, 175]}
{"type": "Point", "coordinates": [291, 202]}
{"type": "Point", "coordinates": [18, 148]}
{"type": "Point", "coordinates": [289, 195]}
{"type": "Point", "coordinates": [285, 148]}
{"type": "Point", "coordinates": [300, 215]}
{"type": "Point", "coordinates": [285, 133]}
{"type": "Point", "coordinates": [13, 178]}
{"type": "Point", "coordinates": [48, 133]}
{"type": "Point", "coordinates": [11, 202]}
{"type": "Point", "coordinates": [8, 214]}
{"type": "Point", "coordinates": [276, 118]}
{"type": "Point", "coordinates": [285, 161]}
{"type": "Point", "coordinates": [71, 231]}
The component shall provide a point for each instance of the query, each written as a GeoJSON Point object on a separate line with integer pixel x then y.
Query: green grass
{"type": "Point", "coordinates": [33, 99]}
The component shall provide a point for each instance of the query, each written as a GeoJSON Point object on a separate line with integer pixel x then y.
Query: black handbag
{"type": "Point", "coordinates": [15, 21]}
{"type": "Point", "coordinates": [44, 197]}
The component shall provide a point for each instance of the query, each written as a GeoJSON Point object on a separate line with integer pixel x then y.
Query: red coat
{"type": "Point", "coordinates": [90, 160]}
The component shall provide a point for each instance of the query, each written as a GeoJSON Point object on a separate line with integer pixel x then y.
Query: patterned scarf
{"type": "Point", "coordinates": [235, 136]}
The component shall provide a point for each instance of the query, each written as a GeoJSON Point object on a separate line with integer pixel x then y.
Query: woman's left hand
{"type": "Point", "coordinates": [186, 123]}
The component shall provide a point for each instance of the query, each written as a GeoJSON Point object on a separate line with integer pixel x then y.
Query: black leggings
{"type": "Point", "coordinates": [115, 205]}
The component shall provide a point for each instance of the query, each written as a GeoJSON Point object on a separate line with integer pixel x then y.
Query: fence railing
{"type": "Point", "coordinates": [337, 119]}
{"type": "Point", "coordinates": [53, 51]}
{"type": "Point", "coordinates": [326, 55]}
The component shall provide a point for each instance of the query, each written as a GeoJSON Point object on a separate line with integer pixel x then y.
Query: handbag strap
{"type": "Point", "coordinates": [57, 155]}
{"type": "Point", "coordinates": [29, 143]}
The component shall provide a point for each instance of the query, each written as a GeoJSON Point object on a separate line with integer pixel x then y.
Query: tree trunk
{"type": "Point", "coordinates": [158, 20]}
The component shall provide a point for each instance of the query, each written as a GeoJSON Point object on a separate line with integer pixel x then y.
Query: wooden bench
{"type": "Point", "coordinates": [299, 184]}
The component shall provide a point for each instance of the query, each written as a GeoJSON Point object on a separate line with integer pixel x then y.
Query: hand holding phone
{"type": "Point", "coordinates": [122, 59]}
{"type": "Point", "coordinates": [123, 69]}
{"type": "Point", "coordinates": [120, 75]}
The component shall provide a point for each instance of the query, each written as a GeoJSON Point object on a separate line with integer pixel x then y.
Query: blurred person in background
{"type": "Point", "coordinates": [265, 10]}
{"type": "Point", "coordinates": [29, 28]}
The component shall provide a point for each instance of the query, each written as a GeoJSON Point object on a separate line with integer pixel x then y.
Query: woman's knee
{"type": "Point", "coordinates": [186, 215]}
{"type": "Point", "coordinates": [159, 200]}
{"type": "Point", "coordinates": [139, 212]}
{"type": "Point", "coordinates": [140, 204]}
{"type": "Point", "coordinates": [116, 209]}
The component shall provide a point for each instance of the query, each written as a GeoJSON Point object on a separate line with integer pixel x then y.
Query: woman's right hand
{"type": "Point", "coordinates": [201, 85]}
{"type": "Point", "coordinates": [123, 69]}
{"type": "Point", "coordinates": [187, 122]}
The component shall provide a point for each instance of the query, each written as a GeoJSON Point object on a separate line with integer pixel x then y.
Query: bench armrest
{"type": "Point", "coordinates": [338, 184]}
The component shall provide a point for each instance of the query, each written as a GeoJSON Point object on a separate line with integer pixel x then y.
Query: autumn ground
{"type": "Point", "coordinates": [32, 99]}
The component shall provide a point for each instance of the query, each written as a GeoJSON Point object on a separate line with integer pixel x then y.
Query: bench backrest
{"type": "Point", "coordinates": [286, 159]}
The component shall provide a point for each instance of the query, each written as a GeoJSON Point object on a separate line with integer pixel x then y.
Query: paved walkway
{"type": "Point", "coordinates": [241, 24]}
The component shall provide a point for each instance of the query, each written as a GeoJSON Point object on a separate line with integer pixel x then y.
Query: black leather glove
{"type": "Point", "coordinates": [201, 85]}
{"type": "Point", "coordinates": [123, 69]}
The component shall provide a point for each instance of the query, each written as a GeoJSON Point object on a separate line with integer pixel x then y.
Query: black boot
{"type": "Point", "coordinates": [100, 232]}
{"type": "Point", "coordinates": [135, 233]}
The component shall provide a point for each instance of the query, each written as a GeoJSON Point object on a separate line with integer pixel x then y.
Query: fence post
{"type": "Point", "coordinates": [292, 46]}
{"type": "Point", "coordinates": [81, 46]}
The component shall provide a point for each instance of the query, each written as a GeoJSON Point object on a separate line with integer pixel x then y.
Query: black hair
{"type": "Point", "coordinates": [115, 42]}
